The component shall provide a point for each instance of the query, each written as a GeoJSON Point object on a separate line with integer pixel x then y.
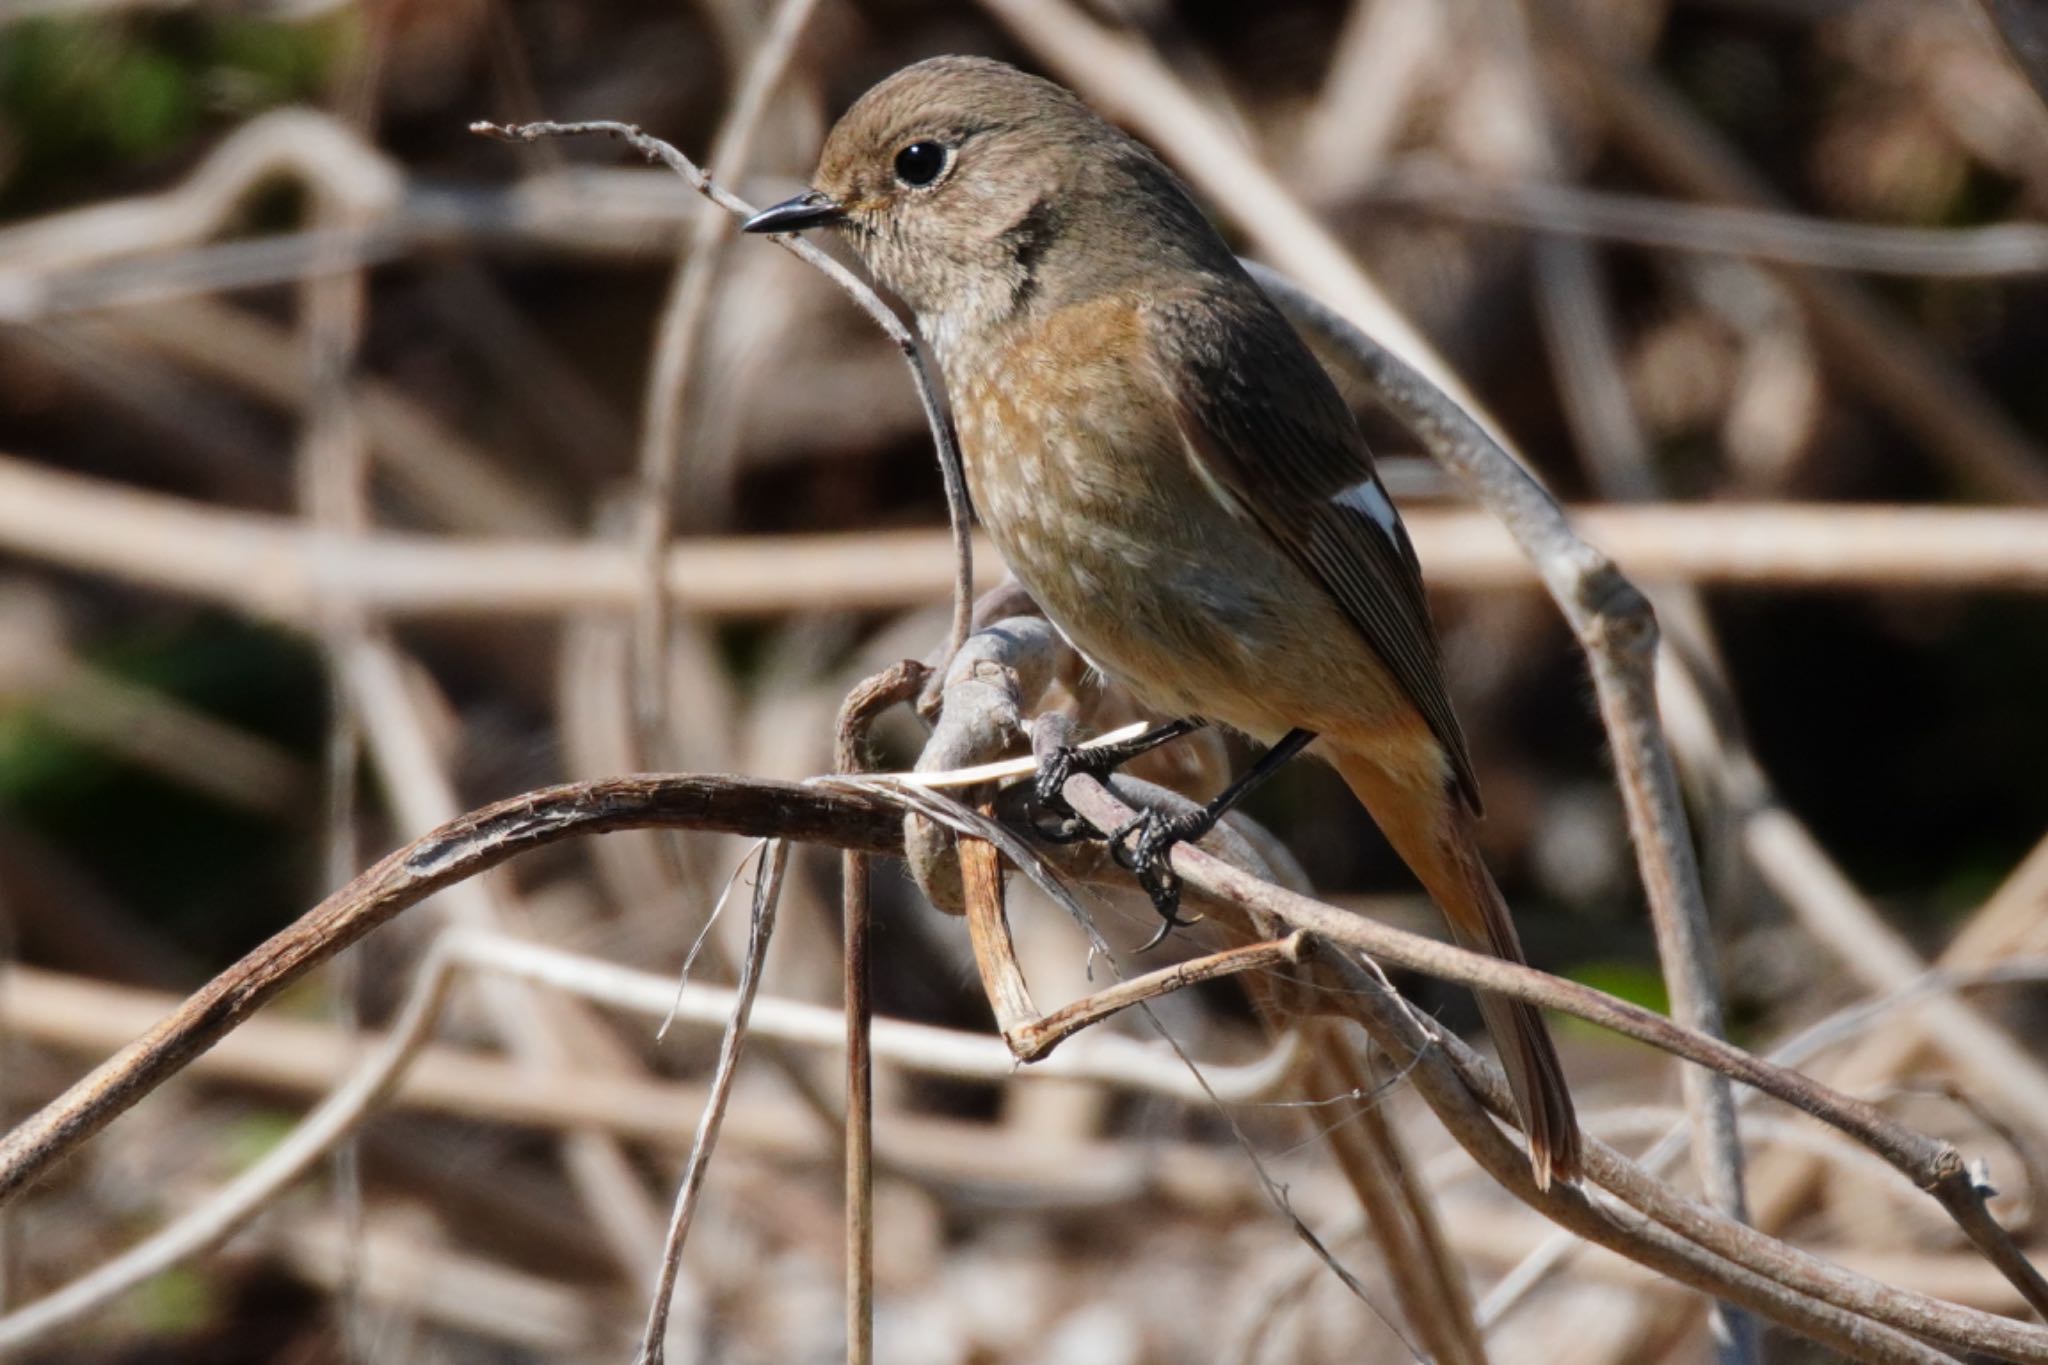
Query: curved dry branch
{"type": "Point", "coordinates": [1618, 632]}
{"type": "Point", "coordinates": [458, 850]}
{"type": "Point", "coordinates": [842, 814]}
{"type": "Point", "coordinates": [1002, 671]}
{"type": "Point", "coordinates": [1931, 1164]}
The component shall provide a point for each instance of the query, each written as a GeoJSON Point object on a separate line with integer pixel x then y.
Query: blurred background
{"type": "Point", "coordinates": [336, 443]}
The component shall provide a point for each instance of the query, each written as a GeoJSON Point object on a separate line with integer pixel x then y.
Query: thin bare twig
{"type": "Point", "coordinates": [669, 378]}
{"type": "Point", "coordinates": [1893, 366]}
{"type": "Point", "coordinates": [91, 1018]}
{"type": "Point", "coordinates": [1768, 236]}
{"type": "Point", "coordinates": [1578, 326]}
{"type": "Point", "coordinates": [857, 714]}
{"type": "Point", "coordinates": [950, 470]}
{"type": "Point", "coordinates": [767, 891]}
{"type": "Point", "coordinates": [848, 813]}
{"type": "Point", "coordinates": [271, 567]}
{"type": "Point", "coordinates": [1618, 632]}
{"type": "Point", "coordinates": [1037, 1038]}
{"type": "Point", "coordinates": [1928, 1163]}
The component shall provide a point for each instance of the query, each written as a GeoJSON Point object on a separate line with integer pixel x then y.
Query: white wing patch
{"type": "Point", "coordinates": [1368, 497]}
{"type": "Point", "coordinates": [1209, 481]}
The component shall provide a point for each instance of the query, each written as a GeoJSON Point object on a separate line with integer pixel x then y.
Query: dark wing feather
{"type": "Point", "coordinates": [1265, 425]}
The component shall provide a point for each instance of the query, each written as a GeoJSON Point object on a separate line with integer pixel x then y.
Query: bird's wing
{"type": "Point", "coordinates": [1267, 432]}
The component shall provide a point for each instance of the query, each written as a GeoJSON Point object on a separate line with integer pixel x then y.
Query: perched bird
{"type": "Point", "coordinates": [1169, 471]}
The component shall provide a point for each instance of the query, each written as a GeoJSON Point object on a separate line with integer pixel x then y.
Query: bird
{"type": "Point", "coordinates": [1171, 474]}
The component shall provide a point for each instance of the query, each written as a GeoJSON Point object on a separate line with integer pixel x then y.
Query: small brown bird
{"type": "Point", "coordinates": [1170, 473]}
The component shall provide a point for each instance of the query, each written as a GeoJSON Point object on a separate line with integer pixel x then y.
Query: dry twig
{"type": "Point", "coordinates": [654, 149]}
{"type": "Point", "coordinates": [893, 686]}
{"type": "Point", "coordinates": [273, 568]}
{"type": "Point", "coordinates": [1618, 633]}
{"type": "Point", "coordinates": [767, 889]}
{"type": "Point", "coordinates": [848, 816]}
{"type": "Point", "coordinates": [668, 385]}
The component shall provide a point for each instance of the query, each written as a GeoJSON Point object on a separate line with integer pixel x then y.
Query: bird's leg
{"type": "Point", "coordinates": [1098, 760]}
{"type": "Point", "coordinates": [1151, 836]}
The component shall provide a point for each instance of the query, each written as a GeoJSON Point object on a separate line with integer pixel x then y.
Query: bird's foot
{"type": "Point", "coordinates": [1054, 770]}
{"type": "Point", "coordinates": [1144, 845]}
{"type": "Point", "coordinates": [1096, 760]}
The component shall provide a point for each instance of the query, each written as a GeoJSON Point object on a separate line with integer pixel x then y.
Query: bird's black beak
{"type": "Point", "coordinates": [812, 208]}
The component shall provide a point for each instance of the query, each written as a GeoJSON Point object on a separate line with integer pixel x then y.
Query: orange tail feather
{"type": "Point", "coordinates": [1432, 831]}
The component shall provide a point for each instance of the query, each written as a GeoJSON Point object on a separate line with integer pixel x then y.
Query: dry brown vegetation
{"type": "Point", "coordinates": [357, 472]}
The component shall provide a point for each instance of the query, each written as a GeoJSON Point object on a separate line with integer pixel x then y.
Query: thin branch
{"type": "Point", "coordinates": [1767, 236]}
{"type": "Point", "coordinates": [857, 714]}
{"type": "Point", "coordinates": [1618, 632]}
{"type": "Point", "coordinates": [1829, 907]}
{"type": "Point", "coordinates": [654, 149]}
{"type": "Point", "coordinates": [767, 891]}
{"type": "Point", "coordinates": [251, 1191]}
{"type": "Point", "coordinates": [273, 568]}
{"type": "Point", "coordinates": [670, 375]}
{"type": "Point", "coordinates": [1585, 354]}
{"type": "Point", "coordinates": [1106, 1058]}
{"type": "Point", "coordinates": [1893, 366]}
{"type": "Point", "coordinates": [1929, 1163]}
{"type": "Point", "coordinates": [83, 1016]}
{"type": "Point", "coordinates": [1845, 1023]}
{"type": "Point", "coordinates": [1756, 1282]}
{"type": "Point", "coordinates": [2008, 922]}
{"type": "Point", "coordinates": [1037, 1038]}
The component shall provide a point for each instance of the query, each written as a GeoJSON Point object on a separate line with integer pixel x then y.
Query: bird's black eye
{"type": "Point", "coordinates": [920, 163]}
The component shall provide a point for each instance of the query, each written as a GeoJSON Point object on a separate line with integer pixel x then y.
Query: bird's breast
{"type": "Point", "coordinates": [1080, 472]}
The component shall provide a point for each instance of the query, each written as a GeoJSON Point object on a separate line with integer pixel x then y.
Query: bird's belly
{"type": "Point", "coordinates": [1192, 610]}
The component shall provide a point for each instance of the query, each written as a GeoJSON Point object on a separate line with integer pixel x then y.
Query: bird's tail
{"type": "Point", "coordinates": [1433, 833]}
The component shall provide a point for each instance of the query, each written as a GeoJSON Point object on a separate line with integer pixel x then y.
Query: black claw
{"type": "Point", "coordinates": [1097, 761]}
{"type": "Point", "coordinates": [1053, 772]}
{"type": "Point", "coordinates": [1145, 846]}
{"type": "Point", "coordinates": [1166, 926]}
